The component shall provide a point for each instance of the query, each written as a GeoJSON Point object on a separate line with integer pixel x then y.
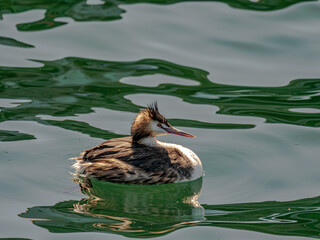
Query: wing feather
{"type": "Point", "coordinates": [119, 160]}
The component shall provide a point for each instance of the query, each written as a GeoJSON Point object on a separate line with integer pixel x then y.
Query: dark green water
{"type": "Point", "coordinates": [243, 76]}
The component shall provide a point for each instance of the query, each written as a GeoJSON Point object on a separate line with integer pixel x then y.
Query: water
{"type": "Point", "coordinates": [243, 76]}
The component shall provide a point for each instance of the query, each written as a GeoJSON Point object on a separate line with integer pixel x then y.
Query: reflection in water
{"type": "Point", "coordinates": [12, 42]}
{"type": "Point", "coordinates": [130, 210]}
{"type": "Point", "coordinates": [151, 211]}
{"type": "Point", "coordinates": [71, 86]}
{"type": "Point", "coordinates": [292, 218]}
{"type": "Point", "coordinates": [79, 10]}
{"type": "Point", "coordinates": [8, 136]}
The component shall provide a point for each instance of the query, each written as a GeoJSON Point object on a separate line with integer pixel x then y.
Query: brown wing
{"type": "Point", "coordinates": [120, 160]}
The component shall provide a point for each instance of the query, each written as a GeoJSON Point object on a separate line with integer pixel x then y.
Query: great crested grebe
{"type": "Point", "coordinates": [141, 158]}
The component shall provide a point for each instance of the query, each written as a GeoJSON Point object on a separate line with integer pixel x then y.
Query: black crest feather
{"type": "Point", "coordinates": [154, 113]}
{"type": "Point", "coordinates": [153, 108]}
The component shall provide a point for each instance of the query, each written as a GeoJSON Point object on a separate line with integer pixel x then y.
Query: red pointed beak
{"type": "Point", "coordinates": [178, 132]}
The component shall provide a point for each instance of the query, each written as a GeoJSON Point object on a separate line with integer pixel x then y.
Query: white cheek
{"type": "Point", "coordinates": [156, 129]}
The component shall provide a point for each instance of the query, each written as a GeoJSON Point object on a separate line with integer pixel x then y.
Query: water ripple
{"type": "Point", "coordinates": [71, 86]}
{"type": "Point", "coordinates": [80, 10]}
{"type": "Point", "coordinates": [152, 211]}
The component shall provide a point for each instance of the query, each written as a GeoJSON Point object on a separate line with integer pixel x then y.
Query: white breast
{"type": "Point", "coordinates": [196, 163]}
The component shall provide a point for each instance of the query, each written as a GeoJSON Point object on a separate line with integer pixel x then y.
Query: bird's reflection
{"type": "Point", "coordinates": [135, 207]}
{"type": "Point", "coordinates": [154, 210]}
{"type": "Point", "coordinates": [130, 210]}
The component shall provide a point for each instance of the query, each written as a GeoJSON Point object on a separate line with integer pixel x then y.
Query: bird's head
{"type": "Point", "coordinates": [150, 123]}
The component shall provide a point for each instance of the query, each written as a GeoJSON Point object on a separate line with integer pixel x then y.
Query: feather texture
{"type": "Point", "coordinates": [122, 160]}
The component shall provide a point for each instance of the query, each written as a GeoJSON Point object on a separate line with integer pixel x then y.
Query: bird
{"type": "Point", "coordinates": [141, 158]}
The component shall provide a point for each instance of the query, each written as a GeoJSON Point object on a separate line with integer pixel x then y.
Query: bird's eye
{"type": "Point", "coordinates": [159, 125]}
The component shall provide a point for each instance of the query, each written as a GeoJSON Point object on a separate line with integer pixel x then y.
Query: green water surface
{"type": "Point", "coordinates": [243, 76]}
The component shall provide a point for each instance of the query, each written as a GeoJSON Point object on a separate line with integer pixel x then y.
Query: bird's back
{"type": "Point", "coordinates": [124, 161]}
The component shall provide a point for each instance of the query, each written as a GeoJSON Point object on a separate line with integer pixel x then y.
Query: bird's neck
{"type": "Point", "coordinates": [149, 141]}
